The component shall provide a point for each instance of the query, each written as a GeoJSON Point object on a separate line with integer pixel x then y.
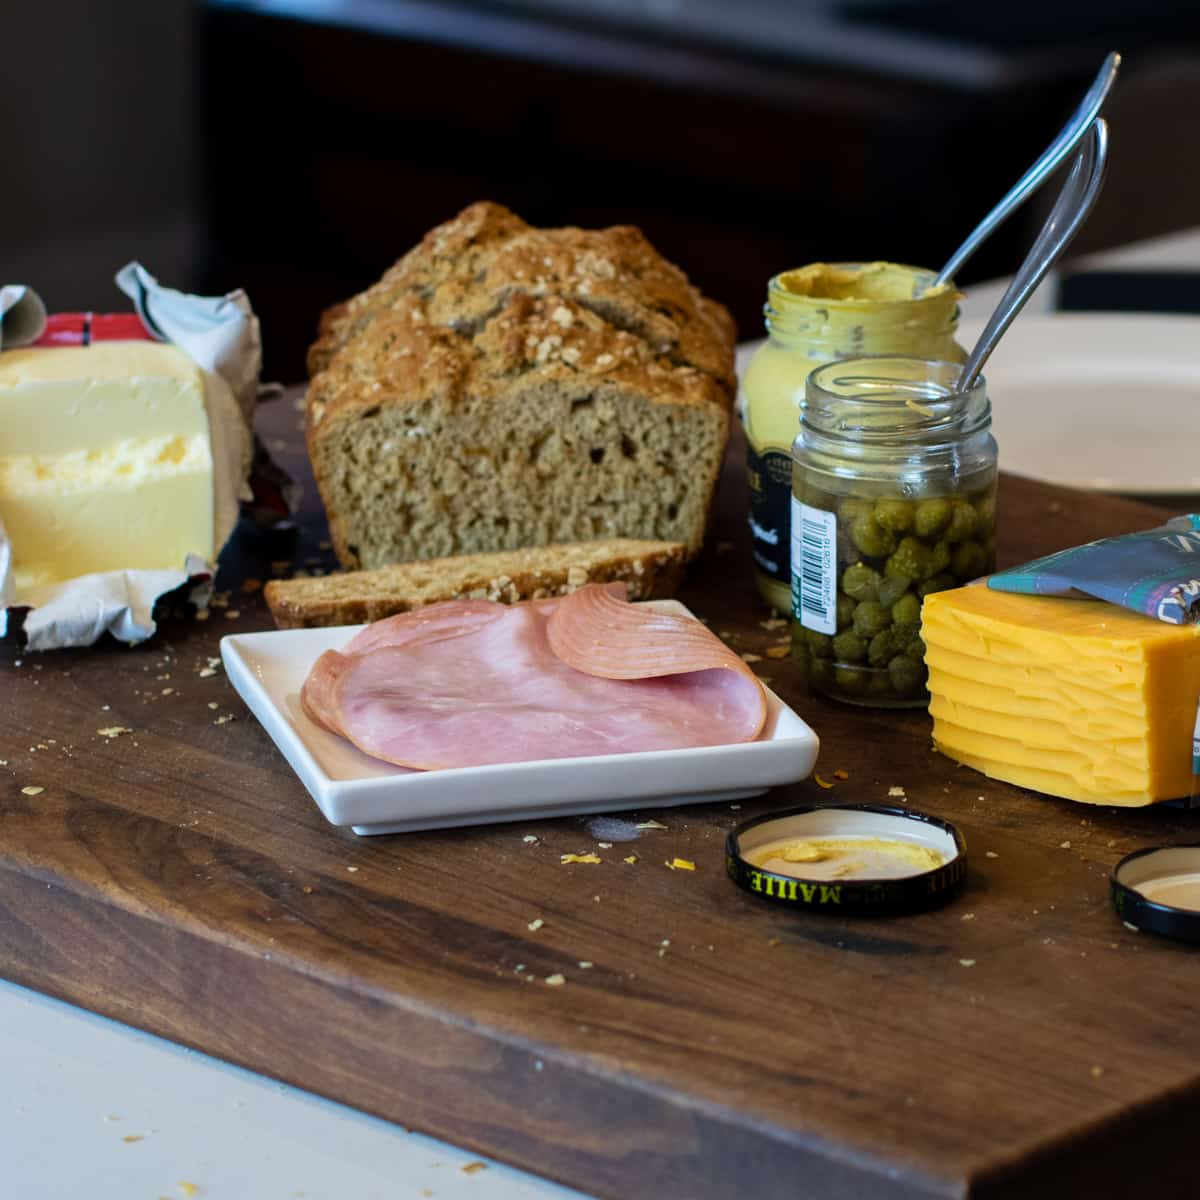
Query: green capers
{"type": "Point", "coordinates": [931, 517]}
{"type": "Point", "coordinates": [850, 680]}
{"type": "Point", "coordinates": [870, 618]}
{"type": "Point", "coordinates": [896, 516]}
{"type": "Point", "coordinates": [893, 551]}
{"type": "Point", "coordinates": [969, 562]}
{"type": "Point", "coordinates": [906, 610]}
{"type": "Point", "coordinates": [964, 520]}
{"type": "Point", "coordinates": [912, 560]}
{"type": "Point", "coordinates": [845, 611]}
{"type": "Point", "coordinates": [870, 537]}
{"type": "Point", "coordinates": [985, 507]}
{"type": "Point", "coordinates": [883, 648]}
{"type": "Point", "coordinates": [860, 582]}
{"type": "Point", "coordinates": [820, 645]}
{"type": "Point", "coordinates": [849, 647]}
{"type": "Point", "coordinates": [907, 675]}
{"type": "Point", "coordinates": [914, 644]}
{"type": "Point", "coordinates": [879, 686]}
{"type": "Point", "coordinates": [850, 509]}
{"type": "Point", "coordinates": [891, 588]}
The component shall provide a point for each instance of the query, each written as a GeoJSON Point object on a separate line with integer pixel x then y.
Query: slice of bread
{"type": "Point", "coordinates": [504, 386]}
{"type": "Point", "coordinates": [651, 570]}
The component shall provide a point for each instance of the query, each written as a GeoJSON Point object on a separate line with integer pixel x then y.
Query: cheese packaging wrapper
{"type": "Point", "coordinates": [220, 336]}
{"type": "Point", "coordinates": [1156, 572]}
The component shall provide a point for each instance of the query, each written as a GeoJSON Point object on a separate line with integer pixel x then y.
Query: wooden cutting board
{"type": "Point", "coordinates": [1020, 1042]}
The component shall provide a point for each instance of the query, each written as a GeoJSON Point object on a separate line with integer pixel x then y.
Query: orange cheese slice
{"type": "Point", "coordinates": [1075, 698]}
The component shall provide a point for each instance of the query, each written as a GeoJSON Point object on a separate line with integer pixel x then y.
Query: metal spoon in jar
{"type": "Point", "coordinates": [1070, 210]}
{"type": "Point", "coordinates": [1054, 154]}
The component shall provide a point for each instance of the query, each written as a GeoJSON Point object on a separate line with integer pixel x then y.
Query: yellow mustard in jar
{"type": "Point", "coordinates": [814, 315]}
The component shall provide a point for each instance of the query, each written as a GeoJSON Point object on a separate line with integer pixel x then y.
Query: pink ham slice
{"type": "Point", "coordinates": [452, 619]}
{"type": "Point", "coordinates": [316, 696]}
{"type": "Point", "coordinates": [549, 679]}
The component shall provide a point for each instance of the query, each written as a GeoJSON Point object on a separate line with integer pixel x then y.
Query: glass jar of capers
{"type": "Point", "coordinates": [893, 497]}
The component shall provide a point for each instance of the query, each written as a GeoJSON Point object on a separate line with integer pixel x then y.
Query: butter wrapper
{"type": "Point", "coordinates": [1155, 572]}
{"type": "Point", "coordinates": [22, 316]}
{"type": "Point", "coordinates": [221, 335]}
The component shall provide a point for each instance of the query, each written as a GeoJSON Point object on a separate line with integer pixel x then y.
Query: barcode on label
{"type": "Point", "coordinates": [814, 567]}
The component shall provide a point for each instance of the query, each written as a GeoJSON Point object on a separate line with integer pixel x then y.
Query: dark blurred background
{"type": "Point", "coordinates": [297, 147]}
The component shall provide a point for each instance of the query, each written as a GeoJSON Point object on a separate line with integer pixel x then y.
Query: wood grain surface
{"type": "Point", "coordinates": [1020, 1042]}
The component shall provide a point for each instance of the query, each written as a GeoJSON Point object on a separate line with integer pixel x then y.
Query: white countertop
{"type": "Point", "coordinates": [91, 1108]}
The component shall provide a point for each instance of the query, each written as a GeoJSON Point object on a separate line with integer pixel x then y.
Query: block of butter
{"type": "Point", "coordinates": [1074, 698]}
{"type": "Point", "coordinates": [106, 462]}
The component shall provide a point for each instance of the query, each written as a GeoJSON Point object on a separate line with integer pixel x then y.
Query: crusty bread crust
{"type": "Point", "coordinates": [650, 570]}
{"type": "Point", "coordinates": [488, 317]}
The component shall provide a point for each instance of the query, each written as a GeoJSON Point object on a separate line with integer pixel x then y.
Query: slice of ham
{"type": "Point", "coordinates": [582, 675]}
{"type": "Point", "coordinates": [454, 618]}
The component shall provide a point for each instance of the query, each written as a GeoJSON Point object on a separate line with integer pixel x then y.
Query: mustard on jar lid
{"type": "Point", "coordinates": [856, 859]}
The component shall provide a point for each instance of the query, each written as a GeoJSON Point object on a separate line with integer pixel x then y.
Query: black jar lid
{"type": "Point", "coordinates": [1158, 890]}
{"type": "Point", "coordinates": [919, 836]}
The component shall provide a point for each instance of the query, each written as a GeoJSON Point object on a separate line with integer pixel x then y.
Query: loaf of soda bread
{"type": "Point", "coordinates": [649, 570]}
{"type": "Point", "coordinates": [503, 386]}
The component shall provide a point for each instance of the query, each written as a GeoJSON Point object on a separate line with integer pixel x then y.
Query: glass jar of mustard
{"type": "Point", "coordinates": [816, 314]}
{"type": "Point", "coordinates": [893, 497]}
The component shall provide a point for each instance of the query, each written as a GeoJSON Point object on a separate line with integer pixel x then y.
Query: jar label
{"type": "Point", "coordinates": [814, 567]}
{"type": "Point", "coordinates": [770, 496]}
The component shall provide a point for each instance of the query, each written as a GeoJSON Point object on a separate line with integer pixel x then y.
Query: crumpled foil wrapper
{"type": "Point", "coordinates": [221, 335]}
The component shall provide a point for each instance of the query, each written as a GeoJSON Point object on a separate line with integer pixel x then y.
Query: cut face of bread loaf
{"type": "Point", "coordinates": [504, 386]}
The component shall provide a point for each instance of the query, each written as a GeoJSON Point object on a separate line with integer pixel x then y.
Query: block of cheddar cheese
{"type": "Point", "coordinates": [105, 461]}
{"type": "Point", "coordinates": [1075, 698]}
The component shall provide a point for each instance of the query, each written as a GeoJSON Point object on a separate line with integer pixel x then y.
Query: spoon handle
{"type": "Point", "coordinates": [1066, 141]}
{"type": "Point", "coordinates": [1070, 210]}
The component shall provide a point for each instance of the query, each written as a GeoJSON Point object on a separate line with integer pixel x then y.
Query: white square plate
{"type": "Point", "coordinates": [351, 788]}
